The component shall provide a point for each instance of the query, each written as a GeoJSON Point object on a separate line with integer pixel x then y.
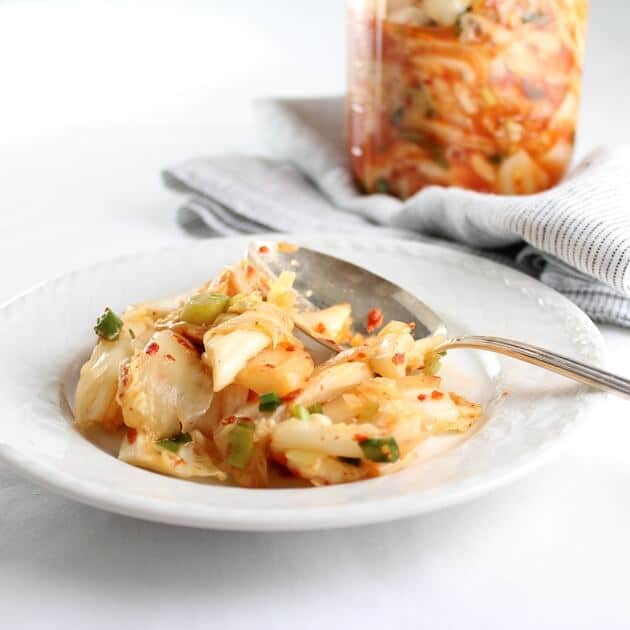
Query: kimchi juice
{"type": "Point", "coordinates": [480, 94]}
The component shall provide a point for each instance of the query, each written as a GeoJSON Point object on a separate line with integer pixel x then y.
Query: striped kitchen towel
{"type": "Point", "coordinates": [574, 237]}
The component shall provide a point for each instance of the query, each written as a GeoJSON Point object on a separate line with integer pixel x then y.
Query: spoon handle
{"type": "Point", "coordinates": [570, 368]}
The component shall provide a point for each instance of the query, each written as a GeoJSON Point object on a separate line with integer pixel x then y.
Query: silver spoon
{"type": "Point", "coordinates": [324, 280]}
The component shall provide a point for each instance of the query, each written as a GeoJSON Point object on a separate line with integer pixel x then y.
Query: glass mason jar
{"type": "Point", "coordinates": [481, 94]}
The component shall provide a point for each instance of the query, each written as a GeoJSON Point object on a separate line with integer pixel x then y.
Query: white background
{"type": "Point", "coordinates": [96, 98]}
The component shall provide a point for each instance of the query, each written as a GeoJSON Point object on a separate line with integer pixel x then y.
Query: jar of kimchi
{"type": "Point", "coordinates": [480, 94]}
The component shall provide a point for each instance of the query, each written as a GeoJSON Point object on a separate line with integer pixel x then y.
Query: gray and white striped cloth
{"type": "Point", "coordinates": [574, 237]}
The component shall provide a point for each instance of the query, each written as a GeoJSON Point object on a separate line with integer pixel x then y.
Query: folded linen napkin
{"type": "Point", "coordinates": [574, 237]}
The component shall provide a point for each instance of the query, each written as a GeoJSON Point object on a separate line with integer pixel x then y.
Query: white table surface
{"type": "Point", "coordinates": [96, 98]}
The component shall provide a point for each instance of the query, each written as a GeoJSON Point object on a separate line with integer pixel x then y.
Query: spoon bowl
{"type": "Point", "coordinates": [323, 280]}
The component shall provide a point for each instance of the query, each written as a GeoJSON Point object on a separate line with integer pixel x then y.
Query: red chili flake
{"type": "Point", "coordinates": [422, 397]}
{"type": "Point", "coordinates": [320, 328]}
{"type": "Point", "coordinates": [398, 358]}
{"type": "Point", "coordinates": [291, 395]}
{"type": "Point", "coordinates": [374, 319]}
{"type": "Point", "coordinates": [179, 461]}
{"type": "Point", "coordinates": [125, 376]}
{"type": "Point", "coordinates": [412, 325]}
{"type": "Point", "coordinates": [132, 434]}
{"type": "Point", "coordinates": [269, 365]}
{"type": "Point", "coordinates": [252, 396]}
{"type": "Point", "coordinates": [360, 355]}
{"type": "Point", "coordinates": [152, 348]}
{"type": "Point", "coordinates": [169, 357]}
{"type": "Point", "coordinates": [184, 342]}
{"type": "Point", "coordinates": [436, 395]}
{"type": "Point", "coordinates": [229, 420]}
{"type": "Point", "coordinates": [251, 270]}
{"type": "Point", "coordinates": [359, 437]}
{"type": "Point", "coordinates": [290, 348]}
{"type": "Point", "coordinates": [263, 249]}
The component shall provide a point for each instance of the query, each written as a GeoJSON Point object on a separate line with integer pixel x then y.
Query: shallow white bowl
{"type": "Point", "coordinates": [47, 333]}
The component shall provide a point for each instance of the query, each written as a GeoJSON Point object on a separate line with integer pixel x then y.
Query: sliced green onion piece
{"type": "Point", "coordinates": [204, 308]}
{"type": "Point", "coordinates": [269, 401]}
{"type": "Point", "coordinates": [382, 185]}
{"type": "Point", "coordinates": [316, 408]}
{"type": "Point", "coordinates": [300, 412]}
{"type": "Point", "coordinates": [173, 444]}
{"type": "Point", "coordinates": [380, 449]}
{"type": "Point", "coordinates": [108, 325]}
{"type": "Point", "coordinates": [241, 443]}
{"type": "Point", "coordinates": [352, 461]}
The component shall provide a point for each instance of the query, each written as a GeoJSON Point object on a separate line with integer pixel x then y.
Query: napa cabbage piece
{"type": "Point", "coordinates": [232, 343]}
{"type": "Point", "coordinates": [281, 292]}
{"type": "Point", "coordinates": [278, 370]}
{"type": "Point", "coordinates": [333, 323]}
{"type": "Point", "coordinates": [319, 434]}
{"type": "Point", "coordinates": [328, 382]}
{"type": "Point", "coordinates": [164, 389]}
{"type": "Point", "coordinates": [188, 460]}
{"type": "Point", "coordinates": [389, 354]}
{"type": "Point", "coordinates": [228, 354]}
{"type": "Point", "coordinates": [95, 398]}
{"type": "Point", "coordinates": [322, 469]}
{"type": "Point", "coordinates": [424, 349]}
{"type": "Point", "coordinates": [231, 400]}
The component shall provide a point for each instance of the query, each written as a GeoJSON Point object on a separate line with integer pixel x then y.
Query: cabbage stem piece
{"type": "Point", "coordinates": [319, 435]}
{"type": "Point", "coordinates": [228, 354]}
{"type": "Point", "coordinates": [189, 460]}
{"type": "Point", "coordinates": [165, 388]}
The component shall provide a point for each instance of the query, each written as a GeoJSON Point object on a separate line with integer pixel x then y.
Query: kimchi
{"type": "Point", "coordinates": [480, 94]}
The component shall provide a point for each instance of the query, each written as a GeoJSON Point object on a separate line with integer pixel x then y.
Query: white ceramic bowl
{"type": "Point", "coordinates": [46, 334]}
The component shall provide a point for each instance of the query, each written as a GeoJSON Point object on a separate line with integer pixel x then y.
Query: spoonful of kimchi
{"type": "Point", "coordinates": [324, 280]}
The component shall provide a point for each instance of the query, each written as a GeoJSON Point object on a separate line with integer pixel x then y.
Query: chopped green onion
{"type": "Point", "coordinates": [432, 366]}
{"type": "Point", "coordinates": [300, 412]}
{"type": "Point", "coordinates": [380, 449]}
{"type": "Point", "coordinates": [316, 408]}
{"type": "Point", "coordinates": [108, 325]}
{"type": "Point", "coordinates": [382, 185]}
{"type": "Point", "coordinates": [204, 308]}
{"type": "Point", "coordinates": [269, 401]}
{"type": "Point", "coordinates": [241, 443]}
{"type": "Point", "coordinates": [173, 444]}
{"type": "Point", "coordinates": [352, 461]}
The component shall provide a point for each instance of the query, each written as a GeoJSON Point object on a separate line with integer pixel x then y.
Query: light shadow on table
{"type": "Point", "coordinates": [44, 538]}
